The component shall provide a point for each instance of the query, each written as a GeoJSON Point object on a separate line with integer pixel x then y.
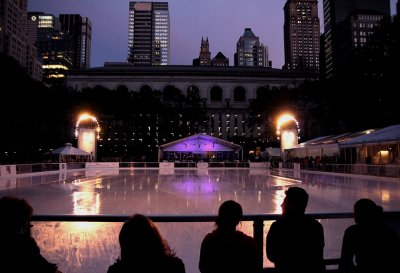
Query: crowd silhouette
{"type": "Point", "coordinates": [294, 242]}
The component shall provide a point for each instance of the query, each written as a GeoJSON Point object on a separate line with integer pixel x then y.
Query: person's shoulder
{"type": "Point", "coordinates": [115, 268]}
{"type": "Point", "coordinates": [311, 221]}
{"type": "Point", "coordinates": [210, 236]}
{"type": "Point", "coordinates": [246, 240]}
{"type": "Point", "coordinates": [280, 221]}
{"type": "Point", "coordinates": [175, 264]}
{"type": "Point", "coordinates": [317, 225]}
{"type": "Point", "coordinates": [353, 229]}
{"type": "Point", "coordinates": [175, 259]}
{"type": "Point", "coordinates": [244, 236]}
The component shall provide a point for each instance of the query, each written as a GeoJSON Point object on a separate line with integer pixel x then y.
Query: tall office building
{"type": "Point", "coordinates": [335, 14]}
{"type": "Point", "coordinates": [62, 43]}
{"type": "Point", "coordinates": [250, 52]}
{"type": "Point", "coordinates": [351, 34]}
{"type": "Point", "coordinates": [301, 35]}
{"type": "Point", "coordinates": [13, 29]}
{"type": "Point", "coordinates": [32, 25]}
{"type": "Point", "coordinates": [52, 46]}
{"type": "Point", "coordinates": [13, 38]}
{"type": "Point", "coordinates": [79, 31]}
{"type": "Point", "coordinates": [149, 34]}
{"type": "Point", "coordinates": [86, 43]}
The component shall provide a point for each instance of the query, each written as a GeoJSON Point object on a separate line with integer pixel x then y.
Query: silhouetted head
{"type": "Point", "coordinates": [229, 215]}
{"type": "Point", "coordinates": [295, 201]}
{"type": "Point", "coordinates": [140, 239]}
{"type": "Point", "coordinates": [15, 214]}
{"type": "Point", "coordinates": [366, 211]}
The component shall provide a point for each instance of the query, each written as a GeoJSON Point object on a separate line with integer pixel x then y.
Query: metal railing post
{"type": "Point", "coordinates": [258, 234]}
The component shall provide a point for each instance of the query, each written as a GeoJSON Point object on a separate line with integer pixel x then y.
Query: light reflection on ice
{"type": "Point", "coordinates": [86, 203]}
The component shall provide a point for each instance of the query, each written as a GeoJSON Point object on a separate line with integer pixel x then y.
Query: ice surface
{"type": "Point", "coordinates": [92, 247]}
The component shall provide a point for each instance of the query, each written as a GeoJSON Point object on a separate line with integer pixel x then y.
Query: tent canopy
{"type": "Point", "coordinates": [67, 149]}
{"type": "Point", "coordinates": [325, 145]}
{"type": "Point", "coordinates": [332, 145]}
{"type": "Point", "coordinates": [389, 134]}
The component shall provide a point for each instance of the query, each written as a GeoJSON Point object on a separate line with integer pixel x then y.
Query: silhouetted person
{"type": "Point", "coordinates": [19, 252]}
{"type": "Point", "coordinates": [373, 246]}
{"type": "Point", "coordinates": [144, 250]}
{"type": "Point", "coordinates": [227, 250]}
{"type": "Point", "coordinates": [295, 242]}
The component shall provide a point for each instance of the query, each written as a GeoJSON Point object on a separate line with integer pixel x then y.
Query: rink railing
{"type": "Point", "coordinates": [390, 171]}
{"type": "Point", "coordinates": [384, 170]}
{"type": "Point", "coordinates": [392, 217]}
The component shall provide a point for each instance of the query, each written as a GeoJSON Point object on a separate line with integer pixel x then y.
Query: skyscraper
{"type": "Point", "coordinates": [13, 29]}
{"type": "Point", "coordinates": [301, 35]}
{"type": "Point", "coordinates": [13, 38]}
{"type": "Point", "coordinates": [86, 43]}
{"type": "Point", "coordinates": [53, 47]}
{"type": "Point", "coordinates": [62, 43]}
{"type": "Point", "coordinates": [250, 52]}
{"type": "Point", "coordinates": [79, 31]}
{"type": "Point", "coordinates": [148, 37]}
{"type": "Point", "coordinates": [335, 14]}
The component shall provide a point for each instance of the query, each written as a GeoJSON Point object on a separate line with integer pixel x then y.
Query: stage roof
{"type": "Point", "coordinates": [199, 144]}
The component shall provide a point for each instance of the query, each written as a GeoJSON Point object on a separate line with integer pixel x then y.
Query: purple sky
{"type": "Point", "coordinates": [223, 21]}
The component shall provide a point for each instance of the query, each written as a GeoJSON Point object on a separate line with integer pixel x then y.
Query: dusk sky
{"type": "Point", "coordinates": [222, 21]}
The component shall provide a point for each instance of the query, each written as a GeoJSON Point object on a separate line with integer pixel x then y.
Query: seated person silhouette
{"type": "Point", "coordinates": [19, 252]}
{"type": "Point", "coordinates": [226, 249]}
{"type": "Point", "coordinates": [144, 250]}
{"type": "Point", "coordinates": [295, 242]}
{"type": "Point", "coordinates": [369, 245]}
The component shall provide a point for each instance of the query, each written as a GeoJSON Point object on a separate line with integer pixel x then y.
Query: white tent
{"type": "Point", "coordinates": [385, 135]}
{"type": "Point", "coordinates": [68, 153]}
{"type": "Point", "coordinates": [325, 145]}
{"type": "Point", "coordinates": [377, 147]}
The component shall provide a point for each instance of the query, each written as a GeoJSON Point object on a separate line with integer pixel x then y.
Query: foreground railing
{"type": "Point", "coordinates": [258, 221]}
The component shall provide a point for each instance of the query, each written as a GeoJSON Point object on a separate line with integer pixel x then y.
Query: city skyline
{"type": "Point", "coordinates": [190, 21]}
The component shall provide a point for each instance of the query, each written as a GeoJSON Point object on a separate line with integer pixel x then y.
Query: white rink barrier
{"type": "Point", "coordinates": [102, 165]}
{"type": "Point", "coordinates": [202, 165]}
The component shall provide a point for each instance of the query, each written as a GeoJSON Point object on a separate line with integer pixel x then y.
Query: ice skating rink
{"type": "Point", "coordinates": [92, 247]}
